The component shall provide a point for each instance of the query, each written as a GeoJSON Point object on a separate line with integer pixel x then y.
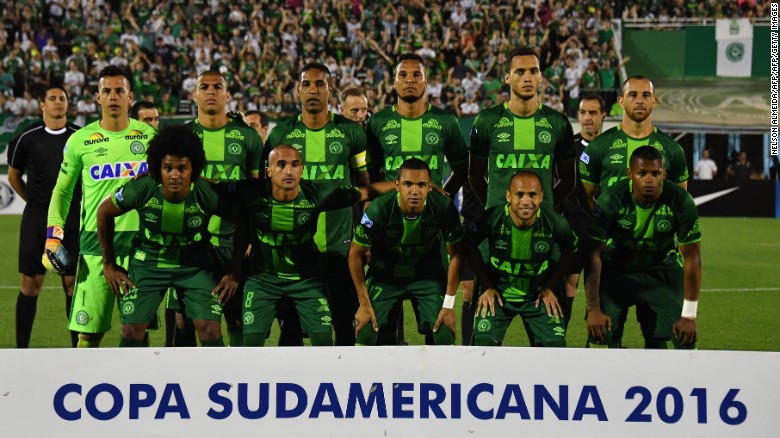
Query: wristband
{"type": "Point", "coordinates": [689, 309]}
{"type": "Point", "coordinates": [55, 232]}
{"type": "Point", "coordinates": [449, 302]}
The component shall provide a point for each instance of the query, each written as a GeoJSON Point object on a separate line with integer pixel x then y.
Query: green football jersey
{"type": "Point", "coordinates": [509, 143]}
{"type": "Point", "coordinates": [393, 138]}
{"type": "Point", "coordinates": [283, 232]}
{"type": "Point", "coordinates": [408, 248]}
{"type": "Point", "coordinates": [233, 153]}
{"type": "Point", "coordinates": [330, 155]}
{"type": "Point", "coordinates": [605, 161]}
{"type": "Point", "coordinates": [105, 160]}
{"type": "Point", "coordinates": [171, 234]}
{"type": "Point", "coordinates": [519, 259]}
{"type": "Point", "coordinates": [640, 238]}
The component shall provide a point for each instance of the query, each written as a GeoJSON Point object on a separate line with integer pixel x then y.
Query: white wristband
{"type": "Point", "coordinates": [449, 302]}
{"type": "Point", "coordinates": [689, 309]}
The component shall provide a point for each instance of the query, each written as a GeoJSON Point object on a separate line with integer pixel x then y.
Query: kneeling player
{"type": "Point", "coordinates": [522, 269]}
{"type": "Point", "coordinates": [172, 245]}
{"type": "Point", "coordinates": [404, 231]}
{"type": "Point", "coordinates": [645, 251]}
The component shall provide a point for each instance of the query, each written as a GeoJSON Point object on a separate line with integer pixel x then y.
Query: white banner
{"type": "Point", "coordinates": [388, 392]}
{"type": "Point", "coordinates": [10, 201]}
{"type": "Point", "coordinates": [735, 47]}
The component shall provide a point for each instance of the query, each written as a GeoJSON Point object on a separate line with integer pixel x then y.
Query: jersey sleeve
{"type": "Point", "coordinates": [450, 221]}
{"type": "Point", "coordinates": [678, 166]}
{"type": "Point", "coordinates": [564, 236]}
{"type": "Point", "coordinates": [480, 137]}
{"type": "Point", "coordinates": [254, 157]}
{"type": "Point", "coordinates": [17, 153]}
{"type": "Point", "coordinates": [134, 194]}
{"type": "Point", "coordinates": [368, 226]}
{"type": "Point", "coordinates": [590, 162]}
{"type": "Point", "coordinates": [374, 154]}
{"type": "Point", "coordinates": [688, 228]}
{"type": "Point", "coordinates": [601, 222]}
{"type": "Point", "coordinates": [454, 145]}
{"type": "Point", "coordinates": [357, 159]}
{"type": "Point", "coordinates": [336, 197]}
{"type": "Point", "coordinates": [70, 171]}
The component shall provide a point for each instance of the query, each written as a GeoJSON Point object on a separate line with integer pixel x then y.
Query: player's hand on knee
{"type": "Point", "coordinates": [446, 317]}
{"type": "Point", "coordinates": [117, 279]}
{"type": "Point", "coordinates": [225, 289]}
{"type": "Point", "coordinates": [598, 324]}
{"type": "Point", "coordinates": [364, 315]}
{"type": "Point", "coordinates": [550, 303]}
{"type": "Point", "coordinates": [487, 302]}
{"type": "Point", "coordinates": [55, 257]}
{"type": "Point", "coordinates": [685, 330]}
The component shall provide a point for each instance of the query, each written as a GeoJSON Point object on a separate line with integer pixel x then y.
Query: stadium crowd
{"type": "Point", "coordinates": [261, 46]}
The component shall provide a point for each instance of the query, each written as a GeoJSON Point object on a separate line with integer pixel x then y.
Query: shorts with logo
{"type": "Point", "coordinates": [193, 287]}
{"type": "Point", "coordinates": [32, 238]}
{"type": "Point", "coordinates": [543, 330]}
{"type": "Point", "coordinates": [263, 292]}
{"type": "Point", "coordinates": [660, 292]}
{"type": "Point", "coordinates": [93, 300]}
{"type": "Point", "coordinates": [427, 296]}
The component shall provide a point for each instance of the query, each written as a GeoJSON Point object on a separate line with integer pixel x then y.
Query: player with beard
{"type": "Point", "coordinates": [333, 149]}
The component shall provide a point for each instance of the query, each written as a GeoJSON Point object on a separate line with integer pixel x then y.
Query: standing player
{"type": "Point", "coordinates": [645, 250]}
{"type": "Point", "coordinates": [286, 263]}
{"type": "Point", "coordinates": [104, 154]}
{"type": "Point", "coordinates": [606, 160]}
{"type": "Point", "coordinates": [37, 152]}
{"type": "Point", "coordinates": [258, 121]}
{"type": "Point", "coordinates": [412, 128]}
{"type": "Point", "coordinates": [233, 153]}
{"type": "Point", "coordinates": [174, 207]}
{"type": "Point", "coordinates": [522, 237]}
{"type": "Point", "coordinates": [590, 115]}
{"type": "Point", "coordinates": [521, 134]}
{"type": "Point", "coordinates": [334, 152]}
{"type": "Point", "coordinates": [406, 229]}
{"type": "Point", "coordinates": [146, 112]}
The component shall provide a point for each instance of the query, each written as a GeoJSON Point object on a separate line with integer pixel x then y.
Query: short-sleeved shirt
{"type": "Point", "coordinates": [405, 248]}
{"type": "Point", "coordinates": [510, 143]}
{"type": "Point", "coordinates": [105, 160]}
{"type": "Point", "coordinates": [640, 238]}
{"type": "Point", "coordinates": [607, 158]}
{"type": "Point", "coordinates": [233, 152]}
{"type": "Point", "coordinates": [432, 137]}
{"type": "Point", "coordinates": [519, 259]}
{"type": "Point", "coordinates": [37, 152]}
{"type": "Point", "coordinates": [330, 155]}
{"type": "Point", "coordinates": [283, 232]}
{"type": "Point", "coordinates": [171, 234]}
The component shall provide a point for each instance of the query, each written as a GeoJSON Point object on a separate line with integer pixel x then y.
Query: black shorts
{"type": "Point", "coordinates": [32, 239]}
{"type": "Point", "coordinates": [579, 224]}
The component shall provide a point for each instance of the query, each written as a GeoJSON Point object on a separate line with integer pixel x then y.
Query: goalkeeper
{"type": "Point", "coordinates": [105, 154]}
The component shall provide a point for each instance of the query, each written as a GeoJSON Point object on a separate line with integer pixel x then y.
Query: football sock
{"type": "Point", "coordinates": [25, 316]}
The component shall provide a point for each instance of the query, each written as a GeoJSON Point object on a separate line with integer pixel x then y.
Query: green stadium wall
{"type": "Point", "coordinates": [689, 53]}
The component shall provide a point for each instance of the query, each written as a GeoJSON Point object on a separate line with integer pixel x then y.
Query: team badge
{"type": "Point", "coordinates": [304, 218]}
{"type": "Point", "coordinates": [82, 317]}
{"type": "Point", "coordinates": [195, 221]}
{"type": "Point", "coordinates": [483, 325]}
{"type": "Point", "coordinates": [137, 147]}
{"type": "Point", "coordinates": [544, 137]}
{"type": "Point", "coordinates": [249, 318]}
{"type": "Point", "coordinates": [664, 225]}
{"type": "Point", "coordinates": [432, 138]}
{"type": "Point", "coordinates": [234, 149]}
{"type": "Point", "coordinates": [128, 308]}
{"type": "Point", "coordinates": [542, 247]}
{"type": "Point", "coordinates": [336, 148]}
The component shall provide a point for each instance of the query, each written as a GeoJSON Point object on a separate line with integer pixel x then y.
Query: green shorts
{"type": "Point", "coordinates": [659, 292]}
{"type": "Point", "coordinates": [543, 330]}
{"type": "Point", "coordinates": [262, 293]}
{"type": "Point", "coordinates": [219, 259]}
{"type": "Point", "coordinates": [193, 286]}
{"type": "Point", "coordinates": [427, 296]}
{"type": "Point", "coordinates": [93, 301]}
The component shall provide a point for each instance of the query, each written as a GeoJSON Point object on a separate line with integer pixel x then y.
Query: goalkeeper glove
{"type": "Point", "coordinates": [55, 257]}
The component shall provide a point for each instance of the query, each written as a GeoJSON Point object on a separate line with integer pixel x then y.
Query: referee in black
{"type": "Point", "coordinates": [37, 152]}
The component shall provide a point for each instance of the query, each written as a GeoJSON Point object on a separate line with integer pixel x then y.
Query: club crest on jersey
{"type": "Point", "coordinates": [336, 148]}
{"type": "Point", "coordinates": [122, 169]}
{"type": "Point", "coordinates": [432, 138]}
{"type": "Point", "coordinates": [234, 149]}
{"type": "Point", "coordinates": [137, 147]}
{"type": "Point", "coordinates": [542, 247]}
{"type": "Point", "coordinates": [545, 137]}
{"type": "Point", "coordinates": [366, 221]}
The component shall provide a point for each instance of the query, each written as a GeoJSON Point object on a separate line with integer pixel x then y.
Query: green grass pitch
{"type": "Point", "coordinates": [740, 294]}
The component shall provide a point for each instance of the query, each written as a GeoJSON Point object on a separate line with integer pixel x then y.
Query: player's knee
{"type": "Point", "coordinates": [31, 286]}
{"type": "Point", "coordinates": [485, 341]}
{"type": "Point", "coordinates": [68, 284]}
{"type": "Point", "coordinates": [321, 339]}
{"type": "Point", "coordinates": [255, 339]}
{"type": "Point", "coordinates": [91, 337]}
{"type": "Point", "coordinates": [443, 336]}
{"type": "Point", "coordinates": [135, 332]}
{"type": "Point", "coordinates": [207, 329]}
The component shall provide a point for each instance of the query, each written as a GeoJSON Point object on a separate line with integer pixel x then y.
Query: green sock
{"type": "Point", "coordinates": [83, 343]}
{"type": "Point", "coordinates": [130, 343]}
{"type": "Point", "coordinates": [255, 339]}
{"type": "Point", "coordinates": [219, 342]}
{"type": "Point", "coordinates": [236, 339]}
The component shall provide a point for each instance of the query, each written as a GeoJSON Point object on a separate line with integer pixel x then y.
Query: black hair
{"type": "Point", "coordinates": [115, 70]}
{"type": "Point", "coordinates": [414, 164]}
{"type": "Point", "coordinates": [177, 141]}
{"type": "Point", "coordinates": [316, 66]}
{"type": "Point", "coordinates": [596, 97]}
{"type": "Point", "coordinates": [647, 153]}
{"type": "Point", "coordinates": [43, 95]}
{"type": "Point", "coordinates": [138, 106]}
{"type": "Point", "coordinates": [520, 51]}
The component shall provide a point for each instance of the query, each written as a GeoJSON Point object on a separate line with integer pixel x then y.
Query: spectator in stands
{"type": "Point", "coordinates": [740, 169]}
{"type": "Point", "coordinates": [705, 168]}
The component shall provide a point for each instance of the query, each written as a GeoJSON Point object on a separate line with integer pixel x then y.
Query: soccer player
{"type": "Point", "coordinates": [174, 206]}
{"type": "Point", "coordinates": [286, 263]}
{"type": "Point", "coordinates": [354, 105]}
{"type": "Point", "coordinates": [104, 154]}
{"type": "Point", "coordinates": [233, 153]}
{"type": "Point", "coordinates": [645, 250]}
{"type": "Point", "coordinates": [412, 128]}
{"type": "Point", "coordinates": [259, 121]}
{"type": "Point", "coordinates": [37, 152]}
{"type": "Point", "coordinates": [146, 112]}
{"type": "Point", "coordinates": [523, 237]}
{"type": "Point", "coordinates": [405, 231]}
{"type": "Point", "coordinates": [591, 113]}
{"type": "Point", "coordinates": [606, 160]}
{"type": "Point", "coordinates": [521, 134]}
{"type": "Point", "coordinates": [334, 152]}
